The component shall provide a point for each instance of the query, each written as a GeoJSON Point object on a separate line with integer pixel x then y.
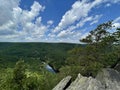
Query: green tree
{"type": "Point", "coordinates": [101, 50]}
{"type": "Point", "coordinates": [104, 41]}
{"type": "Point", "coordinates": [19, 75]}
{"type": "Point", "coordinates": [98, 34]}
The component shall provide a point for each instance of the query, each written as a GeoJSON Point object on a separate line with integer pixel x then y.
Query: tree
{"type": "Point", "coordinates": [100, 50]}
{"type": "Point", "coordinates": [19, 74]}
{"type": "Point", "coordinates": [103, 40]}
{"type": "Point", "coordinates": [98, 34]}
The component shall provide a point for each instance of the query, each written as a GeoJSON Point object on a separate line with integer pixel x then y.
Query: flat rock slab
{"type": "Point", "coordinates": [63, 83]}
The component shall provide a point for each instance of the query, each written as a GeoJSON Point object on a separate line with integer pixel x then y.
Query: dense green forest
{"type": "Point", "coordinates": [34, 53]}
{"type": "Point", "coordinates": [21, 66]}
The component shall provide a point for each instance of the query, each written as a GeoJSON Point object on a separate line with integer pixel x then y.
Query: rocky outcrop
{"type": "Point", "coordinates": [63, 84]}
{"type": "Point", "coordinates": [84, 83]}
{"type": "Point", "coordinates": [117, 67]}
{"type": "Point", "coordinates": [107, 79]}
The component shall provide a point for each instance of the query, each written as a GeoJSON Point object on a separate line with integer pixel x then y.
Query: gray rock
{"type": "Point", "coordinates": [107, 79]}
{"type": "Point", "coordinates": [84, 83]}
{"type": "Point", "coordinates": [63, 83]}
{"type": "Point", "coordinates": [117, 67]}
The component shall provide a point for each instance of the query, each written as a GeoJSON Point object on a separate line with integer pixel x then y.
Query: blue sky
{"type": "Point", "coordinates": [54, 20]}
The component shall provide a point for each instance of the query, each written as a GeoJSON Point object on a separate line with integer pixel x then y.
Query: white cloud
{"type": "Point", "coordinates": [31, 15]}
{"type": "Point", "coordinates": [79, 10]}
{"type": "Point", "coordinates": [16, 22]}
{"type": "Point", "coordinates": [70, 30]}
{"type": "Point", "coordinates": [95, 19]}
{"type": "Point", "coordinates": [77, 16]}
{"type": "Point", "coordinates": [50, 22]}
{"type": "Point", "coordinates": [117, 19]}
{"type": "Point", "coordinates": [108, 5]}
{"type": "Point", "coordinates": [64, 34]}
{"type": "Point", "coordinates": [7, 22]}
{"type": "Point", "coordinates": [116, 25]}
{"type": "Point", "coordinates": [116, 22]}
{"type": "Point", "coordinates": [6, 7]}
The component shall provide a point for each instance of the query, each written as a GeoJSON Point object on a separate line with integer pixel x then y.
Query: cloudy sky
{"type": "Point", "coordinates": [54, 20]}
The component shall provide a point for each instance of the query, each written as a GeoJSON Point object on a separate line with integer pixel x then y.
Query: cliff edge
{"type": "Point", "coordinates": [107, 79]}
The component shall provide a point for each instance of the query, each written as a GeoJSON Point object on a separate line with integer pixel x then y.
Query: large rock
{"type": "Point", "coordinates": [84, 83]}
{"type": "Point", "coordinates": [63, 83]}
{"type": "Point", "coordinates": [107, 79]}
{"type": "Point", "coordinates": [117, 67]}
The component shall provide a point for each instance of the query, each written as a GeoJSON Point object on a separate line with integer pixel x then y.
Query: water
{"type": "Point", "coordinates": [50, 69]}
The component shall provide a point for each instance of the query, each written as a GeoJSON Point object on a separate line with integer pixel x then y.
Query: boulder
{"type": "Point", "coordinates": [107, 79]}
{"type": "Point", "coordinates": [62, 85]}
{"type": "Point", "coordinates": [85, 83]}
{"type": "Point", "coordinates": [117, 67]}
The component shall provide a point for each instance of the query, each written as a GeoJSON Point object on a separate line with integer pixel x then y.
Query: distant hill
{"type": "Point", "coordinates": [34, 53]}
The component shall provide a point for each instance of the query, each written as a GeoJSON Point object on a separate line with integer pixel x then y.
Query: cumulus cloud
{"type": "Point", "coordinates": [34, 12]}
{"type": "Point", "coordinates": [19, 24]}
{"type": "Point", "coordinates": [7, 22]}
{"type": "Point", "coordinates": [79, 10]}
{"type": "Point", "coordinates": [78, 16]}
{"type": "Point", "coordinates": [6, 8]}
{"type": "Point", "coordinates": [16, 22]}
{"type": "Point", "coordinates": [70, 31]}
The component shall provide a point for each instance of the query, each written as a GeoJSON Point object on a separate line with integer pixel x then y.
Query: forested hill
{"type": "Point", "coordinates": [50, 52]}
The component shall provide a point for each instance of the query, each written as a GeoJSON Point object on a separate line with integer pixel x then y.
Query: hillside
{"type": "Point", "coordinates": [34, 53]}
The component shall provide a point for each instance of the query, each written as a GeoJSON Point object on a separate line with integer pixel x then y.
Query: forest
{"type": "Point", "coordinates": [22, 68]}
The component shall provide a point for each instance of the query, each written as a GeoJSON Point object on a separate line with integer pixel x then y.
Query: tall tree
{"type": "Point", "coordinates": [98, 34]}
{"type": "Point", "coordinates": [99, 51]}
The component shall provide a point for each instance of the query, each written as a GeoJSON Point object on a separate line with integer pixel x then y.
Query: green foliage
{"type": "Point", "coordinates": [70, 70]}
{"type": "Point", "coordinates": [33, 81]}
{"type": "Point", "coordinates": [6, 76]}
{"type": "Point", "coordinates": [98, 34]}
{"type": "Point", "coordinates": [55, 53]}
{"type": "Point", "coordinates": [19, 75]}
{"type": "Point", "coordinates": [102, 50]}
{"type": "Point", "coordinates": [28, 74]}
{"type": "Point", "coordinates": [22, 78]}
